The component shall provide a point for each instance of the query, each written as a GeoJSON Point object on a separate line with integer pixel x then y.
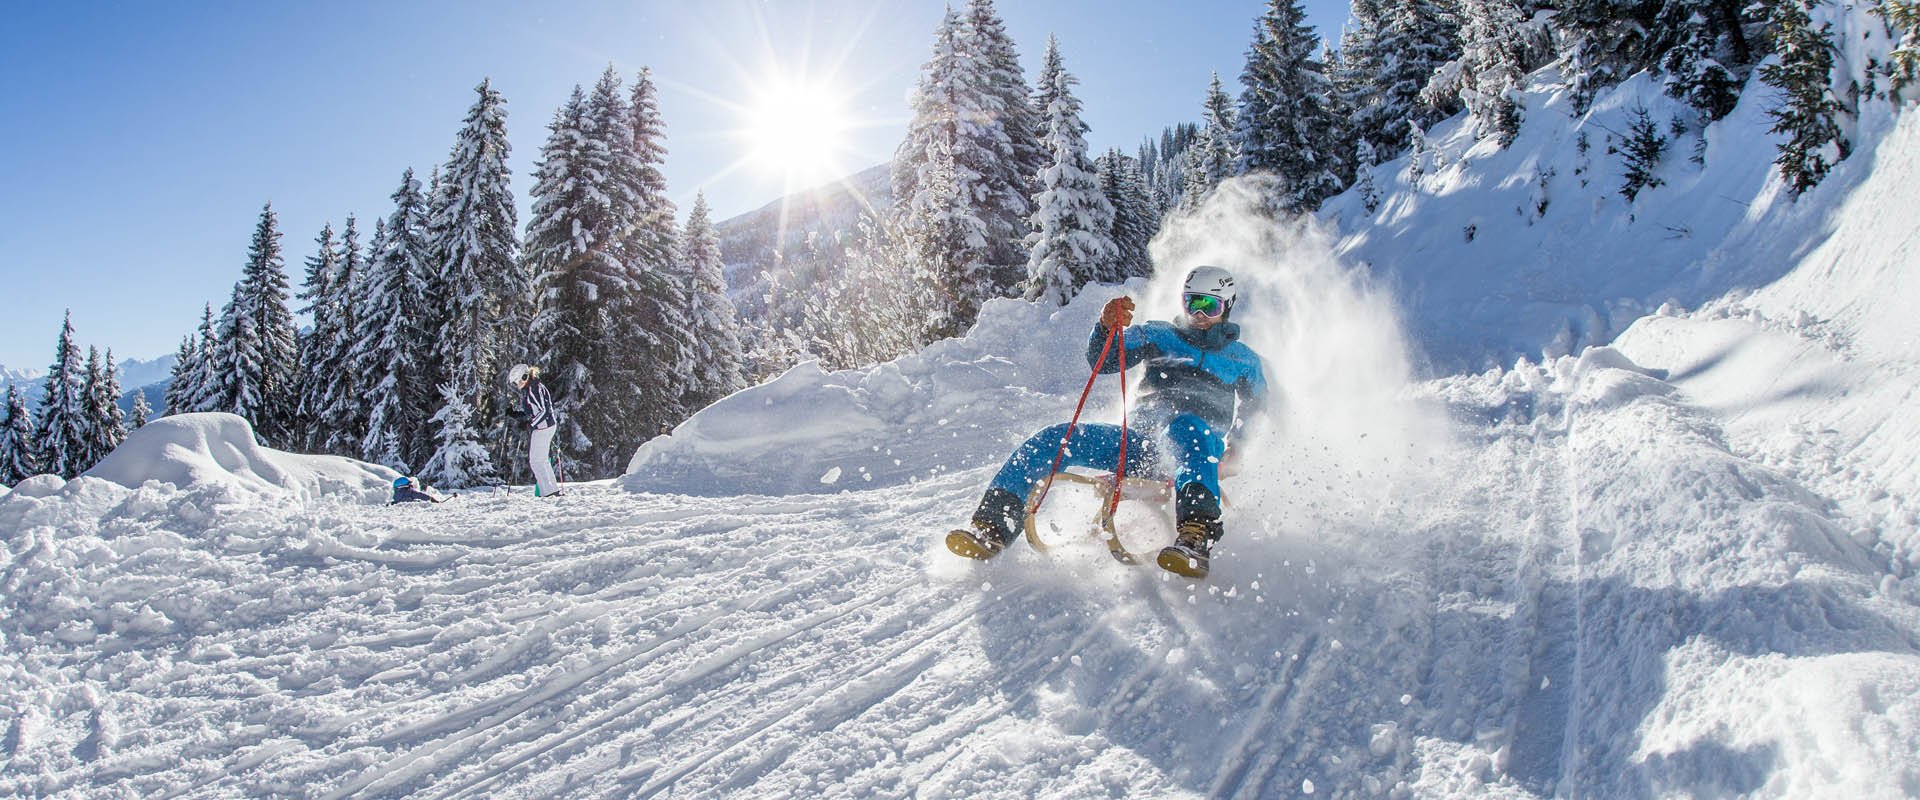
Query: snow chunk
{"type": "Point", "coordinates": [214, 449]}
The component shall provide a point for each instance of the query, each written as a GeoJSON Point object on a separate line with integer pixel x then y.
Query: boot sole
{"type": "Point", "coordinates": [1180, 562]}
{"type": "Point", "coordinates": [964, 545]}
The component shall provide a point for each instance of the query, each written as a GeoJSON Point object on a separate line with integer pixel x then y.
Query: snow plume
{"type": "Point", "coordinates": [1346, 431]}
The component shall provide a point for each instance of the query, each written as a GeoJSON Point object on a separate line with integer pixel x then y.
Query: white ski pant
{"type": "Point", "coordinates": [537, 448]}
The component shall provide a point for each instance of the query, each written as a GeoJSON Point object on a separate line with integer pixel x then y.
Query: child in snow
{"type": "Point", "coordinates": [1198, 381]}
{"type": "Point", "coordinates": [539, 411]}
{"type": "Point", "coordinates": [406, 490]}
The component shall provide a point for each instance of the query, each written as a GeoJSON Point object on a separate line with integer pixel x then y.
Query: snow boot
{"type": "Point", "coordinates": [991, 527]}
{"type": "Point", "coordinates": [1199, 514]}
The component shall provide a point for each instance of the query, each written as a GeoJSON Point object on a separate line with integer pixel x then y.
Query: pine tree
{"type": "Point", "coordinates": [1703, 48]}
{"type": "Point", "coordinates": [460, 460]}
{"type": "Point", "coordinates": [178, 398]}
{"type": "Point", "coordinates": [1903, 16]}
{"type": "Point", "coordinates": [1363, 176]}
{"type": "Point", "coordinates": [393, 343]}
{"type": "Point", "coordinates": [659, 361]}
{"type": "Point", "coordinates": [106, 424]}
{"type": "Point", "coordinates": [141, 411]}
{"type": "Point", "coordinates": [19, 444]}
{"type": "Point", "coordinates": [342, 407]}
{"type": "Point", "coordinates": [1642, 150]}
{"type": "Point", "coordinates": [1285, 123]}
{"type": "Point", "coordinates": [321, 297]}
{"type": "Point", "coordinates": [1211, 157]}
{"type": "Point", "coordinates": [200, 391]}
{"type": "Point", "coordinates": [488, 287]}
{"type": "Point", "coordinates": [255, 358]}
{"type": "Point", "coordinates": [984, 37]}
{"type": "Point", "coordinates": [1135, 221]}
{"type": "Point", "coordinates": [1416, 38]}
{"type": "Point", "coordinates": [62, 439]}
{"type": "Point", "coordinates": [959, 114]}
{"type": "Point", "coordinates": [1602, 42]}
{"type": "Point", "coordinates": [1072, 241]}
{"type": "Point", "coordinates": [1493, 62]}
{"type": "Point", "coordinates": [1808, 112]}
{"type": "Point", "coordinates": [718, 358]}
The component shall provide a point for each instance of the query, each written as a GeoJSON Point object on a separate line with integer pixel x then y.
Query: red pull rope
{"type": "Point", "coordinates": [1071, 424]}
{"type": "Point", "coordinates": [1120, 465]}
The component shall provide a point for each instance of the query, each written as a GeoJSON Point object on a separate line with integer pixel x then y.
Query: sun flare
{"type": "Point", "coordinates": [798, 130]}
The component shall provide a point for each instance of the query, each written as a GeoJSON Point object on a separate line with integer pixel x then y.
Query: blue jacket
{"type": "Point", "coordinates": [1210, 374]}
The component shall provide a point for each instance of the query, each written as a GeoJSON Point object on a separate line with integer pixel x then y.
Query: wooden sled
{"type": "Point", "coordinates": [1148, 490]}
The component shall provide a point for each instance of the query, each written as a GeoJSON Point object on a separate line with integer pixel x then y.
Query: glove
{"type": "Point", "coordinates": [1117, 314]}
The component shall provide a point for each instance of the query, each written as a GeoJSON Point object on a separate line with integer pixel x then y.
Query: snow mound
{"type": "Point", "coordinates": [213, 449]}
{"type": "Point", "coordinates": [958, 404]}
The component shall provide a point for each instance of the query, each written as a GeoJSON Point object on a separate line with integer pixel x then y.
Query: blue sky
{"type": "Point", "coordinates": [139, 140]}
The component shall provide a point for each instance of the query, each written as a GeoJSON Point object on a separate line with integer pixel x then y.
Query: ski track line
{"type": "Point", "coordinates": [1238, 757]}
{"type": "Point", "coordinates": [482, 718]}
{"type": "Point", "coordinates": [1544, 731]}
{"type": "Point", "coordinates": [874, 681]}
{"type": "Point", "coordinates": [701, 668]}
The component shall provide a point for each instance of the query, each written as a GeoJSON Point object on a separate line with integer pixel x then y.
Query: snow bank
{"type": "Point", "coordinates": [212, 449]}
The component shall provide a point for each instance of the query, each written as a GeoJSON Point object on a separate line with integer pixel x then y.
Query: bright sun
{"type": "Point", "coordinates": [797, 130]}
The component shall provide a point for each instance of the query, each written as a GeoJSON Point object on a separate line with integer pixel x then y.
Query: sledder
{"type": "Point", "coordinates": [1198, 380]}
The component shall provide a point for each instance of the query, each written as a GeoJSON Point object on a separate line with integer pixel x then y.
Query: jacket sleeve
{"type": "Point", "coordinates": [1255, 399]}
{"type": "Point", "coordinates": [1138, 348]}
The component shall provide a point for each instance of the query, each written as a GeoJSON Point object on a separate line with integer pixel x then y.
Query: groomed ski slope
{"type": "Point", "coordinates": [1679, 566]}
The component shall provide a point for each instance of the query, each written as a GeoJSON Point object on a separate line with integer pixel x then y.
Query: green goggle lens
{"type": "Point", "coordinates": [1204, 304]}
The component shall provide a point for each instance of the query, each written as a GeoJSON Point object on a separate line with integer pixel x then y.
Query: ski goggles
{"type": "Point", "coordinates": [1205, 305]}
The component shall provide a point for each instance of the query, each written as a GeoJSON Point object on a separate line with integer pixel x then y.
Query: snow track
{"type": "Point", "coordinates": [1555, 621]}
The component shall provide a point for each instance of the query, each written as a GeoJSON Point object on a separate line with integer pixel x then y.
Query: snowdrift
{"type": "Point", "coordinates": [959, 404]}
{"type": "Point", "coordinates": [194, 451]}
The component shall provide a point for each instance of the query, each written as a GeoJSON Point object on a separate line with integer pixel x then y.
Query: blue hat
{"type": "Point", "coordinates": [402, 481]}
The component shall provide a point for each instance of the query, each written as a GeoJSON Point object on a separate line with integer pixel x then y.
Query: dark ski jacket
{"type": "Point", "coordinates": [408, 494]}
{"type": "Point", "coordinates": [1210, 374]}
{"type": "Point", "coordinates": [539, 405]}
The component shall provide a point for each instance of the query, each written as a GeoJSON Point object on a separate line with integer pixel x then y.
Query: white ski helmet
{"type": "Point", "coordinates": [520, 372]}
{"type": "Point", "coordinates": [1211, 280]}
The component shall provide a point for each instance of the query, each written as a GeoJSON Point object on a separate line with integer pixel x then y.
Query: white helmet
{"type": "Point", "coordinates": [520, 372]}
{"type": "Point", "coordinates": [1211, 280]}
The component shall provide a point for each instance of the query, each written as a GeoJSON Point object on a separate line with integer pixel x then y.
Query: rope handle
{"type": "Point", "coordinates": [1117, 333]}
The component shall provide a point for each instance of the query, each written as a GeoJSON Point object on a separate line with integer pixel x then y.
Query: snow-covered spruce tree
{"type": "Point", "coordinates": [1702, 46]}
{"type": "Point", "coordinates": [715, 321]}
{"type": "Point", "coordinates": [1808, 109]}
{"type": "Point", "coordinates": [1494, 60]}
{"type": "Point", "coordinates": [19, 444]}
{"type": "Point", "coordinates": [1903, 16]}
{"type": "Point", "coordinates": [393, 345]}
{"type": "Point", "coordinates": [1601, 43]}
{"type": "Point", "coordinates": [1642, 151]}
{"type": "Point", "coordinates": [460, 460]}
{"type": "Point", "coordinates": [343, 401]}
{"type": "Point", "coordinates": [955, 107]}
{"type": "Point", "coordinates": [63, 436]}
{"type": "Point", "coordinates": [1352, 66]}
{"type": "Point", "coordinates": [319, 295]}
{"type": "Point", "coordinates": [106, 424]}
{"type": "Point", "coordinates": [488, 288]}
{"type": "Point", "coordinates": [1072, 241]}
{"type": "Point", "coordinates": [142, 411]}
{"type": "Point", "coordinates": [1285, 123]}
{"type": "Point", "coordinates": [1212, 155]}
{"type": "Point", "coordinates": [1416, 38]}
{"type": "Point", "coordinates": [255, 358]}
{"type": "Point", "coordinates": [984, 37]}
{"type": "Point", "coordinates": [662, 364]}
{"type": "Point", "coordinates": [1363, 162]}
{"type": "Point", "coordinates": [1135, 220]}
{"type": "Point", "coordinates": [178, 397]}
{"type": "Point", "coordinates": [202, 392]}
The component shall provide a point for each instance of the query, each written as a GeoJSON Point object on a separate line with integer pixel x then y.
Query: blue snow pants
{"type": "Point", "coordinates": [1192, 446]}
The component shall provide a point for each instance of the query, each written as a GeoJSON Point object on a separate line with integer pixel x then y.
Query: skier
{"type": "Point", "coordinates": [1200, 382]}
{"type": "Point", "coordinates": [405, 490]}
{"type": "Point", "coordinates": [539, 411]}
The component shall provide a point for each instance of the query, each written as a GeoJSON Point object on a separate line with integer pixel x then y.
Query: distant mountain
{"type": "Point", "coordinates": [135, 376]}
{"type": "Point", "coordinates": [748, 242]}
{"type": "Point", "coordinates": [134, 372]}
